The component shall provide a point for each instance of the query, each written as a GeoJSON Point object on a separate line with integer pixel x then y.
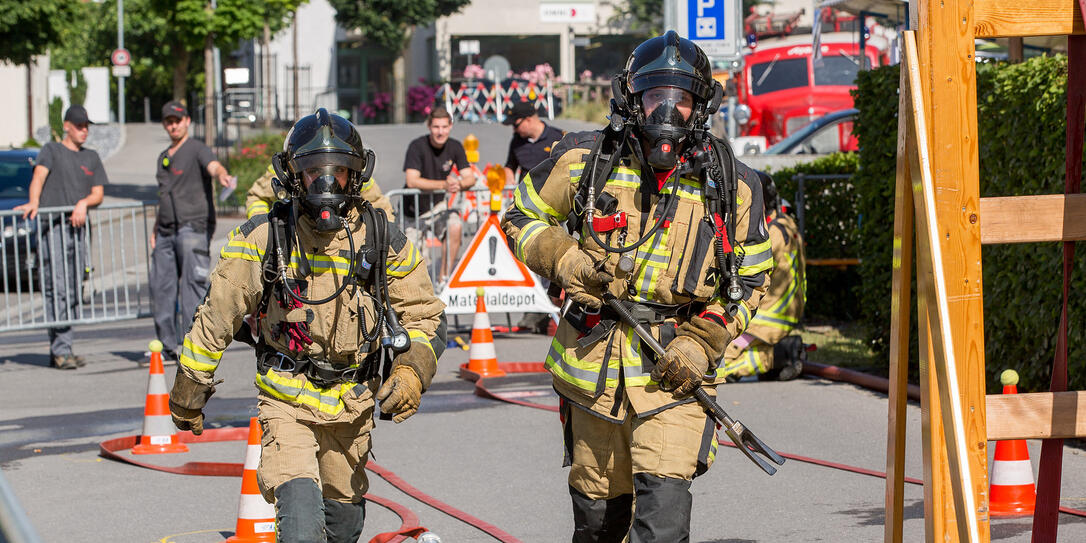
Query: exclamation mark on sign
{"type": "Point", "coordinates": [493, 254]}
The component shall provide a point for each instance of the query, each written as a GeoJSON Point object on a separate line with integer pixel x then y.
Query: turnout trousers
{"type": "Point", "coordinates": [653, 457]}
{"type": "Point", "coordinates": [331, 454]}
{"type": "Point", "coordinates": [64, 260]}
{"type": "Point", "coordinates": [180, 264]}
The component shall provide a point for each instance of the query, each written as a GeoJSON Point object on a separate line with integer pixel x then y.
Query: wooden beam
{"type": "Point", "coordinates": [938, 259]}
{"type": "Point", "coordinates": [1038, 415]}
{"type": "Point", "coordinates": [1021, 219]}
{"type": "Point", "coordinates": [1011, 18]}
{"type": "Point", "coordinates": [948, 63]}
{"type": "Point", "coordinates": [900, 311]}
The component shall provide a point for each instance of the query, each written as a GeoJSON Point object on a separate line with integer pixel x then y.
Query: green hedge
{"type": "Point", "coordinates": [250, 160]}
{"type": "Point", "coordinates": [831, 218]}
{"type": "Point", "coordinates": [1021, 125]}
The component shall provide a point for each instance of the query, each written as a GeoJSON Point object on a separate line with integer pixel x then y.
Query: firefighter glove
{"type": "Point", "coordinates": [581, 280]}
{"type": "Point", "coordinates": [683, 366]}
{"type": "Point", "coordinates": [556, 255]}
{"type": "Point", "coordinates": [401, 393]}
{"type": "Point", "coordinates": [187, 401]}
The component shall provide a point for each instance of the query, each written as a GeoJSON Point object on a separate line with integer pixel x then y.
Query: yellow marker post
{"type": "Point", "coordinates": [495, 181]}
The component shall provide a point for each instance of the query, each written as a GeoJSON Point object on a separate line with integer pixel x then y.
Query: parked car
{"type": "Point", "coordinates": [20, 239]}
{"type": "Point", "coordinates": [828, 134]}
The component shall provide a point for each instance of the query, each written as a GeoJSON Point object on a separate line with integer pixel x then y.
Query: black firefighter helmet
{"type": "Point", "coordinates": [668, 62]}
{"type": "Point", "coordinates": [324, 148]}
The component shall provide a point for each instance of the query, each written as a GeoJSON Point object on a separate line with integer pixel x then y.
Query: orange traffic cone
{"type": "Point", "coordinates": [159, 434]}
{"type": "Point", "coordinates": [1012, 492]}
{"type": "Point", "coordinates": [482, 359]}
{"type": "Point", "coordinates": [256, 517]}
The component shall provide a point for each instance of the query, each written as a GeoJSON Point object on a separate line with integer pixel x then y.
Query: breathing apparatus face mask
{"type": "Point", "coordinates": [667, 124]}
{"type": "Point", "coordinates": [325, 197]}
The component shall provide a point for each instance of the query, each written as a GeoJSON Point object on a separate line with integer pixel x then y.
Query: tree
{"type": "Point", "coordinates": [389, 23]}
{"type": "Point", "coordinates": [29, 29]}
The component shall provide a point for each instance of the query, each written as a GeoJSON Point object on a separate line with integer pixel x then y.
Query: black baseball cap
{"type": "Point", "coordinates": [173, 108]}
{"type": "Point", "coordinates": [77, 114]}
{"type": "Point", "coordinates": [520, 110]}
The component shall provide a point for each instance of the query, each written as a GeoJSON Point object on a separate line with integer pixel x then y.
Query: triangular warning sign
{"type": "Point", "coordinates": [488, 262]}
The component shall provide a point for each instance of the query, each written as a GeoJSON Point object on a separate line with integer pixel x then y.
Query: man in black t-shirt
{"type": "Point", "coordinates": [436, 162]}
{"type": "Point", "coordinates": [181, 239]}
{"type": "Point", "coordinates": [65, 174]}
{"type": "Point", "coordinates": [532, 141]}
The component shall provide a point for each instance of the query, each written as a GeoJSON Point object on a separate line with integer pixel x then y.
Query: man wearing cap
{"type": "Point", "coordinates": [532, 140]}
{"type": "Point", "coordinates": [185, 221]}
{"type": "Point", "coordinates": [531, 144]}
{"type": "Point", "coordinates": [65, 174]}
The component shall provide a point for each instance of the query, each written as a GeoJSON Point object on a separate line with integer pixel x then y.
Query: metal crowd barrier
{"type": "Point", "coordinates": [54, 274]}
{"type": "Point", "coordinates": [429, 230]}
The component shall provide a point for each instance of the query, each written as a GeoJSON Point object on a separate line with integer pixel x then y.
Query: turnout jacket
{"type": "Point", "coordinates": [676, 267]}
{"type": "Point", "coordinates": [261, 196]}
{"type": "Point", "coordinates": [237, 288]}
{"type": "Point", "coordinates": [782, 306]}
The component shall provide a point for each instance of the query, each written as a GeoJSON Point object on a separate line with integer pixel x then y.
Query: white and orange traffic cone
{"type": "Point", "coordinates": [159, 434]}
{"type": "Point", "coordinates": [1012, 492]}
{"type": "Point", "coordinates": [482, 359]}
{"type": "Point", "coordinates": [256, 517]}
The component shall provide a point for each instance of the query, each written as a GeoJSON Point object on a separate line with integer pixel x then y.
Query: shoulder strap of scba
{"type": "Point", "coordinates": [598, 163]}
{"type": "Point", "coordinates": [375, 248]}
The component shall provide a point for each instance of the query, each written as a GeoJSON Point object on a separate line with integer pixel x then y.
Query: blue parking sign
{"type": "Point", "coordinates": [705, 19]}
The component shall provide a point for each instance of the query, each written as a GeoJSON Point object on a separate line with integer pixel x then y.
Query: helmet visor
{"type": "Point", "coordinates": [318, 160]}
{"type": "Point", "coordinates": [665, 102]}
{"type": "Point", "coordinates": [320, 178]}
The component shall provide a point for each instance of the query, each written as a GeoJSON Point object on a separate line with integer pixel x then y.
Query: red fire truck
{"type": "Point", "coordinates": [784, 89]}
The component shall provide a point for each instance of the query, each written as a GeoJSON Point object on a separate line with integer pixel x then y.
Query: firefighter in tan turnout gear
{"type": "Point", "coordinates": [261, 196]}
{"type": "Point", "coordinates": [672, 226]}
{"type": "Point", "coordinates": [337, 291]}
{"type": "Point", "coordinates": [766, 349]}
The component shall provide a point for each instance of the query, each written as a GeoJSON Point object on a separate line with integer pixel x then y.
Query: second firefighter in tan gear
{"type": "Point", "coordinates": [781, 310]}
{"type": "Point", "coordinates": [631, 428]}
{"type": "Point", "coordinates": [316, 379]}
{"type": "Point", "coordinates": [261, 196]}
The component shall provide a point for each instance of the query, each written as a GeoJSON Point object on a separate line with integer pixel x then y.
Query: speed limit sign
{"type": "Point", "coordinates": [120, 57]}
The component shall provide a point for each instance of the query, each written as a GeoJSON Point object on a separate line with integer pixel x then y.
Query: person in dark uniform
{"type": "Point", "coordinates": [181, 238]}
{"type": "Point", "coordinates": [65, 174]}
{"type": "Point", "coordinates": [532, 142]}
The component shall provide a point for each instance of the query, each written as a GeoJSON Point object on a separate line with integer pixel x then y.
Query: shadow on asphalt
{"type": "Point", "coordinates": [100, 425]}
{"type": "Point", "coordinates": [876, 516]}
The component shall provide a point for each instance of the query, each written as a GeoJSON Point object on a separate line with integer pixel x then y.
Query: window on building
{"type": "Point", "coordinates": [523, 52]}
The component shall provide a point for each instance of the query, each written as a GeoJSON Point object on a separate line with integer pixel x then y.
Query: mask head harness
{"type": "Point", "coordinates": [325, 151]}
{"type": "Point", "coordinates": [665, 76]}
{"type": "Point", "coordinates": [770, 195]}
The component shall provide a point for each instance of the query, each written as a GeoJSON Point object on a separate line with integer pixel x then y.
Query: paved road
{"type": "Point", "coordinates": [499, 462]}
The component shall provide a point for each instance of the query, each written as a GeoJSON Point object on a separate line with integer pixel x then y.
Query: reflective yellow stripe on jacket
{"type": "Point", "coordinates": [199, 358]}
{"type": "Point", "coordinates": [325, 400]}
{"type": "Point", "coordinates": [238, 248]}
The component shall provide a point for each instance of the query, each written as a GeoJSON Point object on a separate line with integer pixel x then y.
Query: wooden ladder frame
{"type": "Point", "coordinates": [938, 194]}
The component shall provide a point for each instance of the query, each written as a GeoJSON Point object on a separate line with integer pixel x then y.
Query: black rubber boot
{"type": "Point", "coordinates": [788, 357]}
{"type": "Point", "coordinates": [344, 521]}
{"type": "Point", "coordinates": [299, 512]}
{"type": "Point", "coordinates": [662, 513]}
{"type": "Point", "coordinates": [600, 521]}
